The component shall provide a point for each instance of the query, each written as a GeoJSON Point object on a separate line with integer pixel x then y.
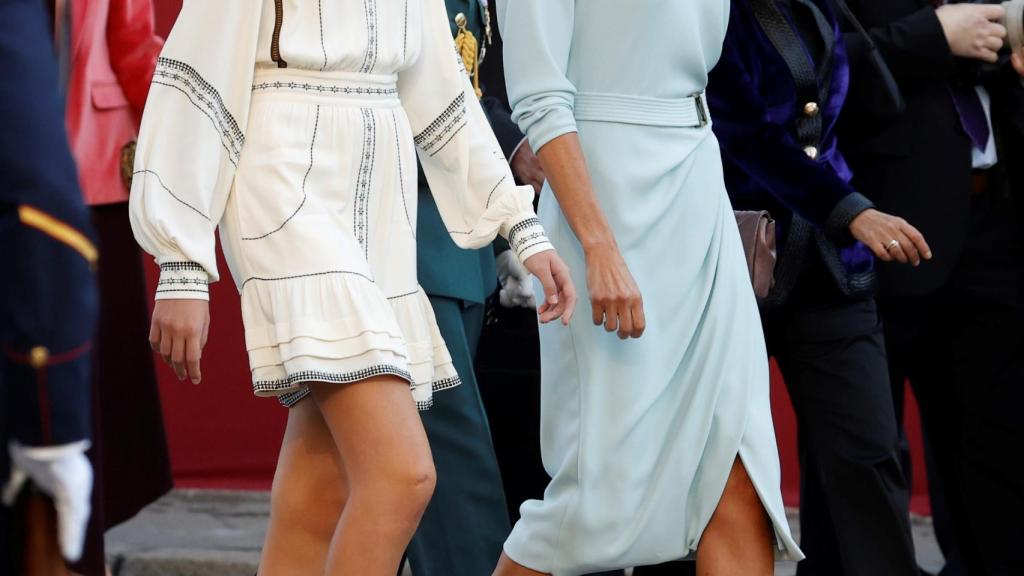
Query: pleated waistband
{"type": "Point", "coordinates": [689, 112]}
{"type": "Point", "coordinates": [339, 87]}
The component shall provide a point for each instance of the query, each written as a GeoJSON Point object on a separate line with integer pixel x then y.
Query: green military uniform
{"type": "Point", "coordinates": [466, 523]}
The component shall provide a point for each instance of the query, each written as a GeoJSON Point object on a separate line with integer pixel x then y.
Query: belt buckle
{"type": "Point", "coordinates": [702, 112]}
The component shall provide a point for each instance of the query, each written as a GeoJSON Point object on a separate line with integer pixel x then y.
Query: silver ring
{"type": "Point", "coordinates": [891, 245]}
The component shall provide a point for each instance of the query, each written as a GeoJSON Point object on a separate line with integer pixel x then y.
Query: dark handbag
{"type": "Point", "coordinates": [757, 232]}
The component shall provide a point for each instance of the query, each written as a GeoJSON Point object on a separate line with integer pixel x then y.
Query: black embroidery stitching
{"type": "Point", "coordinates": [177, 266]}
{"type": "Point", "coordinates": [330, 377]}
{"type": "Point", "coordinates": [525, 248]}
{"type": "Point", "coordinates": [173, 195]}
{"type": "Point", "coordinates": [182, 281]}
{"type": "Point", "coordinates": [401, 174]}
{"type": "Point", "coordinates": [443, 119]}
{"type": "Point", "coordinates": [297, 276]}
{"type": "Point", "coordinates": [177, 72]}
{"type": "Point", "coordinates": [450, 138]}
{"type": "Point", "coordinates": [323, 46]}
{"type": "Point", "coordinates": [312, 146]}
{"type": "Point", "coordinates": [524, 225]}
{"type": "Point", "coordinates": [359, 90]}
{"type": "Point", "coordinates": [364, 179]}
{"type": "Point", "coordinates": [406, 295]}
{"type": "Point", "coordinates": [493, 190]}
{"type": "Point", "coordinates": [290, 399]}
{"type": "Point", "coordinates": [405, 32]}
{"type": "Point", "coordinates": [370, 58]}
{"type": "Point", "coordinates": [446, 384]}
{"type": "Point", "coordinates": [164, 290]}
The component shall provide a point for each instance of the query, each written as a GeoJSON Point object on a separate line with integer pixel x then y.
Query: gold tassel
{"type": "Point", "coordinates": [468, 47]}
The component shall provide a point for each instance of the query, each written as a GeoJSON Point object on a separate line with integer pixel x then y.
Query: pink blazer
{"type": "Point", "coordinates": [114, 52]}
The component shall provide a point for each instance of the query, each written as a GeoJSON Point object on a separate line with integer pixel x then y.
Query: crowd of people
{"type": "Point", "coordinates": [382, 204]}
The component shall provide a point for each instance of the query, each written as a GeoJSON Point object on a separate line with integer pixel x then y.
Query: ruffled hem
{"type": "Point", "coordinates": [340, 328]}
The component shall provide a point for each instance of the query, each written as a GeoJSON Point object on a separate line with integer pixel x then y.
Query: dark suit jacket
{"type": "Point", "coordinates": [918, 165]}
{"type": "Point", "coordinates": [754, 106]}
{"type": "Point", "coordinates": [443, 268]}
{"type": "Point", "coordinates": [47, 296]}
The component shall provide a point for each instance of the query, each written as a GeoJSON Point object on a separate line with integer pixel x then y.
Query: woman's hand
{"type": "Point", "coordinates": [559, 291]}
{"type": "Point", "coordinates": [972, 30]}
{"type": "Point", "coordinates": [890, 238]}
{"type": "Point", "coordinates": [614, 296]}
{"type": "Point", "coordinates": [179, 332]}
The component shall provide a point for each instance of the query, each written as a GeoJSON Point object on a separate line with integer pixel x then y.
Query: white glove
{"type": "Point", "coordinates": [516, 288]}
{"type": "Point", "coordinates": [64, 473]}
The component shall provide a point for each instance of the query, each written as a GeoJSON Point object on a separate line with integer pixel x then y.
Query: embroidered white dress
{"type": "Point", "coordinates": [293, 126]}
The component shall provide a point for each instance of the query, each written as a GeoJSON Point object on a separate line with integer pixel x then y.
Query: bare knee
{"type": "Point", "coordinates": [308, 502]}
{"type": "Point", "coordinates": [404, 490]}
{"type": "Point", "coordinates": [740, 504]}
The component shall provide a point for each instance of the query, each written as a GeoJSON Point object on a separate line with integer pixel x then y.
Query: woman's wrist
{"type": "Point", "coordinates": [599, 244]}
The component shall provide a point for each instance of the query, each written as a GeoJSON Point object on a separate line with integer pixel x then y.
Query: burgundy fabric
{"type": "Point", "coordinates": [129, 449]}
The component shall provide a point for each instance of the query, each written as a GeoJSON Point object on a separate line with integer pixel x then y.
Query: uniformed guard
{"type": "Point", "coordinates": [464, 526]}
{"type": "Point", "coordinates": [47, 296]}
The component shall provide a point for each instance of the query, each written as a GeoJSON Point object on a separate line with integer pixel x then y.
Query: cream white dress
{"type": "Point", "coordinates": [294, 126]}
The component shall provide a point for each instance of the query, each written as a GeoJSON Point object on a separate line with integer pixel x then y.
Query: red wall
{"type": "Point", "coordinates": [222, 436]}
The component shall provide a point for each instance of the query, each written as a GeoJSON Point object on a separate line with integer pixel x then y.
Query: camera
{"type": "Point", "coordinates": [1014, 23]}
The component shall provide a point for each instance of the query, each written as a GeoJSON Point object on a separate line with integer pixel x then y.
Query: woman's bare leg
{"type": "Point", "coordinates": [390, 472]}
{"type": "Point", "coordinates": [307, 497]}
{"type": "Point", "coordinates": [738, 540]}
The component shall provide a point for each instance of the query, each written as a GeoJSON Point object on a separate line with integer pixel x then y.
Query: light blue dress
{"type": "Point", "coordinates": [639, 436]}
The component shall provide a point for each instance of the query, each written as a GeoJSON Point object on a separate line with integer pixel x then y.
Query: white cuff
{"type": "Point", "coordinates": [527, 238]}
{"type": "Point", "coordinates": [49, 453]}
{"type": "Point", "coordinates": [183, 281]}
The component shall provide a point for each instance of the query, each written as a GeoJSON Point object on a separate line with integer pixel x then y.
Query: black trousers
{"type": "Point", "coordinates": [962, 348]}
{"type": "Point", "coordinates": [853, 494]}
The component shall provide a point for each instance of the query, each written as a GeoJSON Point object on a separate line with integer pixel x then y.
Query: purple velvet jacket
{"type": "Point", "coordinates": [753, 101]}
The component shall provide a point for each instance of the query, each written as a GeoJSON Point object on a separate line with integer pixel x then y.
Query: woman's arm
{"type": "Point", "coordinates": [192, 134]}
{"type": "Point", "coordinates": [469, 176]}
{"type": "Point", "coordinates": [614, 295]}
{"type": "Point", "coordinates": [538, 36]}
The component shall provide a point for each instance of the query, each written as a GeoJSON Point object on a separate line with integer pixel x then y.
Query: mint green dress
{"type": "Point", "coordinates": [639, 436]}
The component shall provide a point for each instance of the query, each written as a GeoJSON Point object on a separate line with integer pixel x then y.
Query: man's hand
{"type": "Point", "coordinates": [179, 332]}
{"type": "Point", "coordinates": [64, 474]}
{"type": "Point", "coordinates": [1018, 61]}
{"type": "Point", "coordinates": [559, 291]}
{"type": "Point", "coordinates": [890, 238]}
{"type": "Point", "coordinates": [972, 30]}
{"type": "Point", "coordinates": [526, 167]}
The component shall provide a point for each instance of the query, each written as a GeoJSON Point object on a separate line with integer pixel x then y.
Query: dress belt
{"type": "Point", "coordinates": [689, 112]}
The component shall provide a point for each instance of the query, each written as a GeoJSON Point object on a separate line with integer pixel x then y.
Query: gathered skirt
{"type": "Point", "coordinates": [319, 234]}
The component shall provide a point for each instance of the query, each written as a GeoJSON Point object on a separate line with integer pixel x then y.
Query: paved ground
{"type": "Point", "coordinates": [214, 533]}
